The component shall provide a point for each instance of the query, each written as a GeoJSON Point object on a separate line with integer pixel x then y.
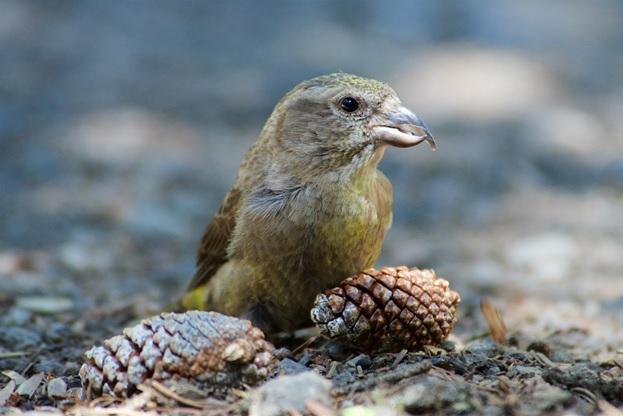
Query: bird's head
{"type": "Point", "coordinates": [340, 122]}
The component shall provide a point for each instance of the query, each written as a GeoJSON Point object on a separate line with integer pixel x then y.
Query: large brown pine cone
{"type": "Point", "coordinates": [388, 309]}
{"type": "Point", "coordinates": [205, 349]}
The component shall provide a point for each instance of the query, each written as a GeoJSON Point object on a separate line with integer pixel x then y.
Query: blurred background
{"type": "Point", "coordinates": [122, 125]}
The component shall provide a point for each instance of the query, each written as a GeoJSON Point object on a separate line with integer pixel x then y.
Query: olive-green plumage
{"type": "Point", "coordinates": [309, 207]}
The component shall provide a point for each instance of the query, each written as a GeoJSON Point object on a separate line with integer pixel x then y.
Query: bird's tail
{"type": "Point", "coordinates": [193, 299]}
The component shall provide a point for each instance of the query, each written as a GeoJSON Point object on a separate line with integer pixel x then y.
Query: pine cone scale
{"type": "Point", "coordinates": [337, 303]}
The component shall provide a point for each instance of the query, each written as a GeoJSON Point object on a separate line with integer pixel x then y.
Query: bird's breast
{"type": "Point", "coordinates": [347, 240]}
{"type": "Point", "coordinates": [319, 235]}
{"type": "Point", "coordinates": [292, 246]}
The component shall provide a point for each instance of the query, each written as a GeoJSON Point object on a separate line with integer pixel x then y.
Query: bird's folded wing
{"type": "Point", "coordinates": [216, 237]}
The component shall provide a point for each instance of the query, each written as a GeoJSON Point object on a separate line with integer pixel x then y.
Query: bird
{"type": "Point", "coordinates": [309, 206]}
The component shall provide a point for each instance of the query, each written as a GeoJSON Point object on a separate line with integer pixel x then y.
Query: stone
{"type": "Point", "coordinates": [283, 393]}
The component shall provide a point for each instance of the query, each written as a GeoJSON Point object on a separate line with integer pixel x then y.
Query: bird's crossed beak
{"type": "Point", "coordinates": [402, 128]}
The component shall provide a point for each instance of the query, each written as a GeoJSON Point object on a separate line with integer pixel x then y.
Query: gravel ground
{"type": "Point", "coordinates": [122, 125]}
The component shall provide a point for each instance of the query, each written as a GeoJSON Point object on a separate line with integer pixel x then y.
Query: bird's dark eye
{"type": "Point", "coordinates": [349, 104]}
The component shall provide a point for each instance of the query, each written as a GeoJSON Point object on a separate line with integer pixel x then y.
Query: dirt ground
{"type": "Point", "coordinates": [122, 126]}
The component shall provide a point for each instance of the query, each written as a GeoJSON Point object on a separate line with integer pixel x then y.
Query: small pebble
{"type": "Point", "coordinates": [336, 350]}
{"type": "Point", "coordinates": [6, 392]}
{"type": "Point", "coordinates": [287, 366]}
{"type": "Point", "coordinates": [20, 338]}
{"type": "Point", "coordinates": [485, 346]}
{"type": "Point", "coordinates": [431, 395]}
{"type": "Point", "coordinates": [286, 393]}
{"type": "Point", "coordinates": [51, 366]}
{"type": "Point", "coordinates": [71, 368]}
{"type": "Point", "coordinates": [56, 332]}
{"type": "Point", "coordinates": [281, 353]}
{"type": "Point", "coordinates": [28, 387]}
{"type": "Point", "coordinates": [15, 316]}
{"type": "Point", "coordinates": [57, 388]}
{"type": "Point", "coordinates": [15, 376]}
{"type": "Point", "coordinates": [448, 346]}
{"type": "Point", "coordinates": [45, 305]}
{"type": "Point", "coordinates": [362, 360]}
{"type": "Point", "coordinates": [524, 371]}
{"type": "Point", "coordinates": [562, 356]}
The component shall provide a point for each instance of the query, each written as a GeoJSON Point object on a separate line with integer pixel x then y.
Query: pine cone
{"type": "Point", "coordinates": [388, 310]}
{"type": "Point", "coordinates": [205, 349]}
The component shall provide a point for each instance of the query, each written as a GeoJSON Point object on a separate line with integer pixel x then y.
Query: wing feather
{"type": "Point", "coordinates": [212, 251]}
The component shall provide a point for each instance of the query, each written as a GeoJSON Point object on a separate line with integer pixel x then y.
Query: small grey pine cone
{"type": "Point", "coordinates": [388, 310]}
{"type": "Point", "coordinates": [206, 349]}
